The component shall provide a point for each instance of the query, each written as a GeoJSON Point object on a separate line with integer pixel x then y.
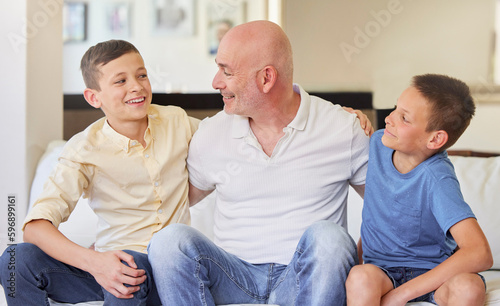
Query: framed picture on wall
{"type": "Point", "coordinates": [118, 19]}
{"type": "Point", "coordinates": [74, 22]}
{"type": "Point", "coordinates": [173, 17]}
{"type": "Point", "coordinates": [222, 15]}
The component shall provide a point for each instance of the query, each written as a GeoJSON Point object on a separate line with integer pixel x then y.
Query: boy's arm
{"type": "Point", "coordinates": [106, 267]}
{"type": "Point", "coordinates": [360, 189]}
{"type": "Point", "coordinates": [196, 195]}
{"type": "Point", "coordinates": [359, 248]}
{"type": "Point", "coordinates": [473, 256]}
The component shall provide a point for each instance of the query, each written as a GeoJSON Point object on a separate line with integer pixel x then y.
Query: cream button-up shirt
{"type": "Point", "coordinates": [135, 191]}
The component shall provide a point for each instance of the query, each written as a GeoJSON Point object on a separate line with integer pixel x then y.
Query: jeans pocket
{"type": "Point", "coordinates": [406, 222]}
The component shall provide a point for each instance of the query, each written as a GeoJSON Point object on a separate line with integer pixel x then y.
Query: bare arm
{"type": "Point", "coordinates": [359, 246]}
{"type": "Point", "coordinates": [106, 267]}
{"type": "Point", "coordinates": [196, 195]}
{"type": "Point", "coordinates": [360, 189]}
{"type": "Point", "coordinates": [473, 256]}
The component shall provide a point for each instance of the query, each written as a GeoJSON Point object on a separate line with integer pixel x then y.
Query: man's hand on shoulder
{"type": "Point", "coordinates": [365, 123]}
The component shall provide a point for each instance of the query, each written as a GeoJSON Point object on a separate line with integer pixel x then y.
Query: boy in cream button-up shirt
{"type": "Point", "coordinates": [132, 167]}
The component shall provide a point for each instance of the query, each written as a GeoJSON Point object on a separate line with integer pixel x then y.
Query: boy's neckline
{"type": "Point", "coordinates": [133, 133]}
{"type": "Point", "coordinates": [406, 163]}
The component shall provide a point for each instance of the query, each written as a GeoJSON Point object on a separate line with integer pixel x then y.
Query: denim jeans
{"type": "Point", "coordinates": [401, 275]}
{"type": "Point", "coordinates": [190, 270]}
{"type": "Point", "coordinates": [38, 277]}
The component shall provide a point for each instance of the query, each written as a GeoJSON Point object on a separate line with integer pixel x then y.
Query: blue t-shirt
{"type": "Point", "coordinates": [406, 217]}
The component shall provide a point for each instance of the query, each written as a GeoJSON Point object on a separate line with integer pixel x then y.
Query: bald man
{"type": "Point", "coordinates": [281, 162]}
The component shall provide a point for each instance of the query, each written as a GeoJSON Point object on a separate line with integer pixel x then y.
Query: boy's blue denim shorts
{"type": "Point", "coordinates": [401, 275]}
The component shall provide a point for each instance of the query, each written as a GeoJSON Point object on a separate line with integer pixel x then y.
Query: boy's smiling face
{"type": "Point", "coordinates": [405, 129]}
{"type": "Point", "coordinates": [125, 93]}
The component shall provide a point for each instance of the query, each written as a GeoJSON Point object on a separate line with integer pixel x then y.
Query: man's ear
{"type": "Point", "coordinates": [267, 78]}
{"type": "Point", "coordinates": [91, 97]}
{"type": "Point", "coordinates": [438, 140]}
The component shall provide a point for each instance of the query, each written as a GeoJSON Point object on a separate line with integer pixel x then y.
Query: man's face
{"type": "Point", "coordinates": [405, 128]}
{"type": "Point", "coordinates": [125, 93]}
{"type": "Point", "coordinates": [236, 80]}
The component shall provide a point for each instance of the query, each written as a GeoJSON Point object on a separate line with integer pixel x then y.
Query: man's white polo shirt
{"type": "Point", "coordinates": [265, 203]}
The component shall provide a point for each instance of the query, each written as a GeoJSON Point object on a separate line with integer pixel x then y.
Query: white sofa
{"type": "Point", "coordinates": [479, 178]}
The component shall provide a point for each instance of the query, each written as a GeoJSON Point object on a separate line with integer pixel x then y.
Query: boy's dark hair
{"type": "Point", "coordinates": [452, 106]}
{"type": "Point", "coordinates": [101, 54]}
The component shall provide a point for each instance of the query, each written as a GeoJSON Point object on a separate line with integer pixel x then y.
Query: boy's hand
{"type": "Point", "coordinates": [113, 275]}
{"type": "Point", "coordinates": [114, 270]}
{"type": "Point", "coordinates": [363, 120]}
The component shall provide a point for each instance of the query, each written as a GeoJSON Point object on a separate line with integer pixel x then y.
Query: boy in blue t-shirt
{"type": "Point", "coordinates": [420, 241]}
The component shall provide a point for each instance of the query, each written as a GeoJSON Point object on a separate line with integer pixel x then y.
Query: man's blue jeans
{"type": "Point", "coordinates": [190, 269]}
{"type": "Point", "coordinates": [38, 276]}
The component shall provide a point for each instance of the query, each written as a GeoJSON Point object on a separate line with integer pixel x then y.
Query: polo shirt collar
{"type": "Point", "coordinates": [300, 120]}
{"type": "Point", "coordinates": [241, 125]}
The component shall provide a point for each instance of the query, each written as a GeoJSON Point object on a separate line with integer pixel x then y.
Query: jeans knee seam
{"type": "Point", "coordinates": [202, 285]}
{"type": "Point", "coordinates": [241, 287]}
{"type": "Point", "coordinates": [297, 273]}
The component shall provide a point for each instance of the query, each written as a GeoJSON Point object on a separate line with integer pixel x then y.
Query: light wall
{"type": "Point", "coordinates": [175, 63]}
{"type": "Point", "coordinates": [378, 45]}
{"type": "Point", "coordinates": [31, 83]}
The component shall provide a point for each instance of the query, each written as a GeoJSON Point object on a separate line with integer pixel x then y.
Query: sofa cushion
{"type": "Point", "coordinates": [479, 179]}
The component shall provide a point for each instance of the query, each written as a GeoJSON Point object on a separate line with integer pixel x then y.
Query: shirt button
{"type": "Point", "coordinates": [160, 211]}
{"type": "Point", "coordinates": [134, 143]}
{"type": "Point", "coordinates": [147, 155]}
{"type": "Point", "coordinates": [156, 184]}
